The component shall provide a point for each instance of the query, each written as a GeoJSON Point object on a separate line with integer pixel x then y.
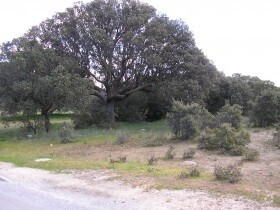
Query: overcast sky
{"type": "Point", "coordinates": [239, 36]}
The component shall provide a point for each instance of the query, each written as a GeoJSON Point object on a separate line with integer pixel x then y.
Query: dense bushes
{"type": "Point", "coordinates": [266, 109]}
{"type": "Point", "coordinates": [186, 121]}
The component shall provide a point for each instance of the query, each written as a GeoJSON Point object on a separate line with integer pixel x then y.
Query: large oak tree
{"type": "Point", "coordinates": [124, 47]}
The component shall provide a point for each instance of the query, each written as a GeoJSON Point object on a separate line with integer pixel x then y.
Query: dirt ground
{"type": "Point", "coordinates": [260, 181]}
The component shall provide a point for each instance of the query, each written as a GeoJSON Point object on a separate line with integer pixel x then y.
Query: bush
{"type": "Point", "coordinates": [194, 172]}
{"type": "Point", "coordinates": [237, 150]}
{"type": "Point", "coordinates": [152, 160]}
{"type": "Point", "coordinates": [251, 155]}
{"type": "Point", "coordinates": [231, 115]}
{"type": "Point", "coordinates": [93, 113]}
{"type": "Point", "coordinates": [153, 140]}
{"type": "Point", "coordinates": [224, 138]}
{"type": "Point", "coordinates": [186, 121]}
{"type": "Point", "coordinates": [170, 153]}
{"type": "Point", "coordinates": [230, 173]}
{"type": "Point", "coordinates": [122, 137]}
{"type": "Point", "coordinates": [66, 133]}
{"type": "Point", "coordinates": [188, 153]}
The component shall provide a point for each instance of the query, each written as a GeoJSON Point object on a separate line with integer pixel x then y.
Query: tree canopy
{"type": "Point", "coordinates": [123, 46]}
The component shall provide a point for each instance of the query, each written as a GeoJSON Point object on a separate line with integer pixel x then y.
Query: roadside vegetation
{"type": "Point", "coordinates": [140, 99]}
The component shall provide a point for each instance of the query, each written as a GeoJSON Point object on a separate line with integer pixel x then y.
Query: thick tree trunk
{"type": "Point", "coordinates": [110, 106]}
{"type": "Point", "coordinates": [47, 122]}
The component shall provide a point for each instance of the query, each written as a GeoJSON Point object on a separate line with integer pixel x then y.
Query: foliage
{"type": "Point", "coordinates": [189, 153]}
{"type": "Point", "coordinates": [251, 155]}
{"type": "Point", "coordinates": [133, 108]}
{"type": "Point", "coordinates": [29, 121]}
{"type": "Point", "coordinates": [231, 115]}
{"type": "Point", "coordinates": [229, 173]}
{"type": "Point", "coordinates": [186, 121]}
{"type": "Point", "coordinates": [122, 137]}
{"type": "Point", "coordinates": [266, 109]}
{"type": "Point", "coordinates": [170, 153]}
{"type": "Point", "coordinates": [223, 138]}
{"type": "Point", "coordinates": [237, 150]}
{"type": "Point", "coordinates": [37, 80]}
{"type": "Point", "coordinates": [92, 113]}
{"type": "Point", "coordinates": [124, 46]}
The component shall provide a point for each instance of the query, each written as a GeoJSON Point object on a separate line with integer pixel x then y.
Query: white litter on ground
{"type": "Point", "coordinates": [42, 159]}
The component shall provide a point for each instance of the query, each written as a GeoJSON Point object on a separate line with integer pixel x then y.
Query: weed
{"type": "Point", "coordinates": [195, 172]}
{"type": "Point", "coordinates": [276, 200]}
{"type": "Point", "coordinates": [189, 153]}
{"type": "Point", "coordinates": [152, 160]}
{"type": "Point", "coordinates": [122, 159]}
{"type": "Point", "coordinates": [184, 175]}
{"type": "Point", "coordinates": [122, 137]}
{"type": "Point", "coordinates": [230, 173]}
{"type": "Point", "coordinates": [170, 154]}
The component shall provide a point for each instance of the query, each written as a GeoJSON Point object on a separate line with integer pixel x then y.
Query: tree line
{"type": "Point", "coordinates": [113, 60]}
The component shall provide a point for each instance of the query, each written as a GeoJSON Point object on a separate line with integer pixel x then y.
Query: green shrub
{"type": "Point", "coordinates": [93, 113]}
{"type": "Point", "coordinates": [189, 153]}
{"type": "Point", "coordinates": [122, 137]}
{"type": "Point", "coordinates": [194, 172]}
{"type": "Point", "coordinates": [231, 115]}
{"type": "Point", "coordinates": [224, 138]}
{"type": "Point", "coordinates": [186, 121]}
{"type": "Point", "coordinates": [170, 153]}
{"type": "Point", "coordinates": [251, 155]}
{"type": "Point", "coordinates": [229, 173]}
